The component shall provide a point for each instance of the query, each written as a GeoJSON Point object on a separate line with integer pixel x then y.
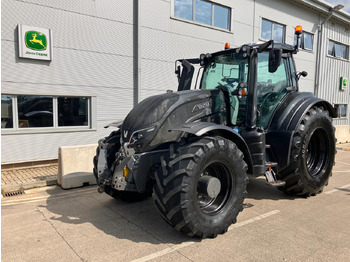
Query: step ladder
{"type": "Point", "coordinates": [270, 174]}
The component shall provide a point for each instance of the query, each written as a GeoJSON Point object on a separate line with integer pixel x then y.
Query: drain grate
{"type": "Point", "coordinates": [13, 193]}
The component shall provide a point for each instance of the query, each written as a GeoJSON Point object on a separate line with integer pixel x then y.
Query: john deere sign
{"type": "Point", "coordinates": [35, 42]}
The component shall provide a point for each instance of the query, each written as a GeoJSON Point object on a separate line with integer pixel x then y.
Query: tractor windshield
{"type": "Point", "coordinates": [225, 70]}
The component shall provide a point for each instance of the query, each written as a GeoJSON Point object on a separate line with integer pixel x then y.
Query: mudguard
{"type": "Point", "coordinates": [285, 121]}
{"type": "Point", "coordinates": [201, 128]}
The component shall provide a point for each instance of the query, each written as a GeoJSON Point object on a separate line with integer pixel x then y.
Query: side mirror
{"type": "Point", "coordinates": [274, 59]}
{"type": "Point", "coordinates": [303, 74]}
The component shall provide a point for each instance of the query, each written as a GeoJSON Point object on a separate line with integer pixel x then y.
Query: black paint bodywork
{"type": "Point", "coordinates": [160, 120]}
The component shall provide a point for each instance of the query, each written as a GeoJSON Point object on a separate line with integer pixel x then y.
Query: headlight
{"type": "Point", "coordinates": [139, 134]}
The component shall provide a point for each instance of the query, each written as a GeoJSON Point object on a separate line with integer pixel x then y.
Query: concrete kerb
{"type": "Point", "coordinates": [27, 185]}
{"type": "Point", "coordinates": [343, 147]}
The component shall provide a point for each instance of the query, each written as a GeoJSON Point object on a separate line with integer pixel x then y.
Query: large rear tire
{"type": "Point", "coordinates": [114, 145]}
{"type": "Point", "coordinates": [179, 197]}
{"type": "Point", "coordinates": [312, 155]}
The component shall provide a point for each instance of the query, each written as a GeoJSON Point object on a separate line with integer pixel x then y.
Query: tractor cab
{"type": "Point", "coordinates": [254, 78]}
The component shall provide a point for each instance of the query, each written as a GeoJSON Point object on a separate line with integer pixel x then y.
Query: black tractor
{"type": "Point", "coordinates": [194, 148]}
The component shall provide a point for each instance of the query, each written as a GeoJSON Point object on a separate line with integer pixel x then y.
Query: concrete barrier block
{"type": "Point", "coordinates": [342, 133]}
{"type": "Point", "coordinates": [75, 165]}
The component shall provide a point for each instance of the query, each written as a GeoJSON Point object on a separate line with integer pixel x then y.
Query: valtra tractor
{"type": "Point", "coordinates": [194, 148]}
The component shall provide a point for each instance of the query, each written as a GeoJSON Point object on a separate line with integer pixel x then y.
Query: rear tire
{"type": "Point", "coordinates": [178, 197]}
{"type": "Point", "coordinates": [312, 155]}
{"type": "Point", "coordinates": [114, 145]}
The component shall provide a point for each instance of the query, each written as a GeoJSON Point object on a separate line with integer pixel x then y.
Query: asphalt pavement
{"type": "Point", "coordinates": [51, 224]}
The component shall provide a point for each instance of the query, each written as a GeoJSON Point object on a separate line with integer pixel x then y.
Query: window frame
{"type": "Point", "coordinates": [334, 51]}
{"type": "Point", "coordinates": [272, 29]}
{"type": "Point", "coordinates": [91, 116]}
{"type": "Point", "coordinates": [193, 20]}
{"type": "Point", "coordinates": [12, 107]}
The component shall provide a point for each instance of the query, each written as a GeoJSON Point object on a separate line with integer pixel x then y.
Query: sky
{"type": "Point", "coordinates": [346, 4]}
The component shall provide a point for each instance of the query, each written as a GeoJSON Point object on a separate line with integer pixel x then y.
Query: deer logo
{"type": "Point", "coordinates": [36, 40]}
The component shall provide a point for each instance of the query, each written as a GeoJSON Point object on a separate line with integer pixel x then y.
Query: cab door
{"type": "Point", "coordinates": [271, 87]}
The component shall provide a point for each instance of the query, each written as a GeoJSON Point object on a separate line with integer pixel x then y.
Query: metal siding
{"type": "Point", "coordinates": [333, 68]}
{"type": "Point", "coordinates": [92, 55]}
{"type": "Point", "coordinates": [165, 39]}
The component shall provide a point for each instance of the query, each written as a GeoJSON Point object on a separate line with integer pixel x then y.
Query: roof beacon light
{"type": "Point", "coordinates": [298, 30]}
{"type": "Point", "coordinates": [227, 45]}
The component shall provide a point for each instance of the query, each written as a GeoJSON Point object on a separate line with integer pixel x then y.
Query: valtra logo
{"type": "Point", "coordinates": [35, 40]}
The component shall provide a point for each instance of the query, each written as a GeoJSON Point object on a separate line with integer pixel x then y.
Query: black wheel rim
{"type": "Point", "coordinates": [214, 205]}
{"type": "Point", "coordinates": [317, 154]}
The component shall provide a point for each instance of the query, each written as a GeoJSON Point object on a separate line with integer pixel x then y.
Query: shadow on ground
{"type": "Point", "coordinates": [259, 190]}
{"type": "Point", "coordinates": [137, 222]}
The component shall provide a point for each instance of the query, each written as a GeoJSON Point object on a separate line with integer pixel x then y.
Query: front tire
{"type": "Point", "coordinates": [312, 155]}
{"type": "Point", "coordinates": [179, 198]}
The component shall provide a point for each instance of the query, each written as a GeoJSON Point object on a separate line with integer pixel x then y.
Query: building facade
{"type": "Point", "coordinates": [105, 56]}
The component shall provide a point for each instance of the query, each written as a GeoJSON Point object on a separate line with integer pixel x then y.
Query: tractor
{"type": "Point", "coordinates": [193, 149]}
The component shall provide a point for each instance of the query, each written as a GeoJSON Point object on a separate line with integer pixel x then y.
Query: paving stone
{"type": "Point", "coordinates": [29, 177]}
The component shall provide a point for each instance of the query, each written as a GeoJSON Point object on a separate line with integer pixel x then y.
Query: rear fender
{"type": "Point", "coordinates": [294, 107]}
{"type": "Point", "coordinates": [212, 129]}
{"type": "Point", "coordinates": [286, 120]}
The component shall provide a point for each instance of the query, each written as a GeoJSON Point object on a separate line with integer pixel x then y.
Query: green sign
{"type": "Point", "coordinates": [343, 83]}
{"type": "Point", "coordinates": [35, 40]}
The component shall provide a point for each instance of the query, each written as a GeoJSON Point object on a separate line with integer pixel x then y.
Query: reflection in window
{"type": "Point", "coordinates": [338, 50]}
{"type": "Point", "coordinates": [341, 110]}
{"type": "Point", "coordinates": [183, 9]}
{"type": "Point", "coordinates": [72, 111]}
{"type": "Point", "coordinates": [331, 48]}
{"type": "Point", "coordinates": [306, 41]}
{"type": "Point", "coordinates": [266, 32]}
{"type": "Point", "coordinates": [205, 12]}
{"type": "Point", "coordinates": [271, 30]}
{"type": "Point", "coordinates": [6, 111]}
{"type": "Point", "coordinates": [35, 111]}
{"type": "Point", "coordinates": [221, 17]}
{"type": "Point", "coordinates": [278, 33]}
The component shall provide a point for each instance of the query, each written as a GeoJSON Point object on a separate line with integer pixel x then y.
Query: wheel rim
{"type": "Point", "coordinates": [317, 155]}
{"type": "Point", "coordinates": [210, 205]}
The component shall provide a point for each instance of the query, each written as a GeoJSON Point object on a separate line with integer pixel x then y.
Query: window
{"type": "Point", "coordinates": [338, 50]}
{"type": "Point", "coordinates": [341, 110]}
{"type": "Point", "coordinates": [72, 111]}
{"type": "Point", "coordinates": [271, 88]}
{"type": "Point", "coordinates": [35, 111]}
{"type": "Point", "coordinates": [203, 12]}
{"type": "Point", "coordinates": [272, 30]}
{"type": "Point", "coordinates": [306, 41]}
{"type": "Point", "coordinates": [6, 111]}
{"type": "Point", "coordinates": [184, 9]}
{"type": "Point", "coordinates": [29, 111]}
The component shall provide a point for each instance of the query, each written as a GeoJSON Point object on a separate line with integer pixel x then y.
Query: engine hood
{"type": "Point", "coordinates": [148, 112]}
{"type": "Point", "coordinates": [156, 115]}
